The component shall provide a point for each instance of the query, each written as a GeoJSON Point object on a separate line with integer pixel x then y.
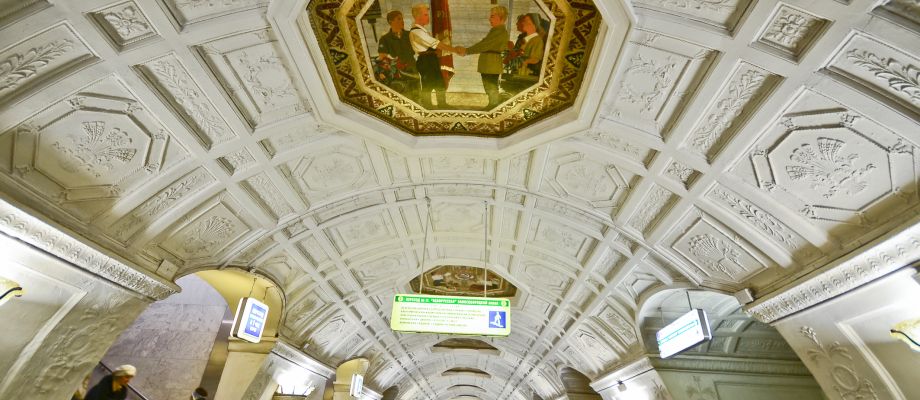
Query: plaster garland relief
{"type": "Point", "coordinates": [651, 209]}
{"type": "Point", "coordinates": [869, 63]}
{"type": "Point", "coordinates": [847, 381]}
{"type": "Point", "coordinates": [188, 12]}
{"type": "Point", "coordinates": [173, 81]}
{"type": "Point", "coordinates": [125, 227]}
{"type": "Point", "coordinates": [876, 261]}
{"type": "Point", "coordinates": [661, 77]}
{"type": "Point", "coordinates": [254, 76]}
{"type": "Point", "coordinates": [746, 87]}
{"type": "Point", "coordinates": [262, 188]}
{"type": "Point", "coordinates": [718, 15]}
{"type": "Point", "coordinates": [681, 173]}
{"type": "Point", "coordinates": [778, 232]}
{"type": "Point", "coordinates": [720, 254]}
{"type": "Point", "coordinates": [36, 59]}
{"type": "Point", "coordinates": [203, 234]}
{"type": "Point", "coordinates": [19, 66]}
{"type": "Point", "coordinates": [611, 141]}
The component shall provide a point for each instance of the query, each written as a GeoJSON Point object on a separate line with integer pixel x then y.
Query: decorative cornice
{"type": "Point", "coordinates": [294, 355]}
{"type": "Point", "coordinates": [731, 364]}
{"type": "Point", "coordinates": [869, 262]}
{"type": "Point", "coordinates": [622, 372]}
{"type": "Point", "coordinates": [23, 226]}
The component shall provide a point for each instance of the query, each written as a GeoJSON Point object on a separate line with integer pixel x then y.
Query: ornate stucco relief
{"type": "Point", "coordinates": [92, 149]}
{"type": "Point", "coordinates": [660, 77]}
{"type": "Point", "coordinates": [18, 224]}
{"type": "Point", "coordinates": [892, 74]}
{"type": "Point", "coordinates": [125, 24]}
{"type": "Point", "coordinates": [790, 32]}
{"type": "Point", "coordinates": [728, 112]}
{"type": "Point", "coordinates": [173, 80]}
{"type": "Point", "coordinates": [41, 57]}
{"type": "Point", "coordinates": [254, 76]}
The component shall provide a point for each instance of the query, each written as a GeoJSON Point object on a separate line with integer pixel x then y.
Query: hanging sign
{"type": "Point", "coordinates": [249, 321]}
{"type": "Point", "coordinates": [482, 316]}
{"type": "Point", "coordinates": [687, 331]}
{"type": "Point", "coordinates": [357, 386]}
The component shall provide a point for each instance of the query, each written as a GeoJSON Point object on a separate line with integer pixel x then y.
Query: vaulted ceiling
{"type": "Point", "coordinates": [724, 144]}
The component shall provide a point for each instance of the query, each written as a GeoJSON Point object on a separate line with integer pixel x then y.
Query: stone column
{"type": "Point", "coordinates": [77, 301]}
{"type": "Point", "coordinates": [342, 385]}
{"type": "Point", "coordinates": [244, 362]}
{"type": "Point", "coordinates": [293, 367]}
{"type": "Point", "coordinates": [255, 370]}
{"type": "Point", "coordinates": [837, 319]}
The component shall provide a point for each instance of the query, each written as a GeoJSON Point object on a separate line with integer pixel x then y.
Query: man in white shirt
{"type": "Point", "coordinates": [428, 64]}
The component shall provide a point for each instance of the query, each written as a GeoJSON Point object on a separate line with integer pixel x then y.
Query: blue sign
{"type": "Point", "coordinates": [498, 319]}
{"type": "Point", "coordinates": [256, 320]}
{"type": "Point", "coordinates": [250, 319]}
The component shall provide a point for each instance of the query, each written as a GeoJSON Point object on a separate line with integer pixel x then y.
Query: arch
{"type": "Point", "coordinates": [390, 394]}
{"type": "Point", "coordinates": [577, 383]}
{"type": "Point", "coordinates": [235, 283]}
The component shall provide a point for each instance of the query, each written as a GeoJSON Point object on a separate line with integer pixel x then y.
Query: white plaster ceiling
{"type": "Point", "coordinates": [739, 144]}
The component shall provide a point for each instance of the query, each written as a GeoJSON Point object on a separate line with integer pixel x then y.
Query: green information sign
{"type": "Point", "coordinates": [454, 315]}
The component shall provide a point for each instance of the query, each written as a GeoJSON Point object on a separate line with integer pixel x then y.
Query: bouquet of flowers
{"type": "Point", "coordinates": [512, 58]}
{"type": "Point", "coordinates": [387, 69]}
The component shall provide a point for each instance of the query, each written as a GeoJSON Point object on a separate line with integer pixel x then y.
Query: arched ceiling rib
{"type": "Point", "coordinates": [694, 173]}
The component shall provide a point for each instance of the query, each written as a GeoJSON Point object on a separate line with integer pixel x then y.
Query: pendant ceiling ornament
{"type": "Point", "coordinates": [533, 82]}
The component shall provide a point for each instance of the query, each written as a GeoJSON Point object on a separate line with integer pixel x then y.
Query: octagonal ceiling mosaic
{"type": "Point", "coordinates": [461, 280]}
{"type": "Point", "coordinates": [457, 68]}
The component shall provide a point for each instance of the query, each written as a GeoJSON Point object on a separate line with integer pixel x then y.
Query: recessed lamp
{"type": "Point", "coordinates": [9, 289]}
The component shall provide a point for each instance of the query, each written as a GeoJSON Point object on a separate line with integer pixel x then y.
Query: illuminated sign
{"type": "Point", "coordinates": [249, 322]}
{"type": "Point", "coordinates": [687, 331]}
{"type": "Point", "coordinates": [357, 385]}
{"type": "Point", "coordinates": [448, 314]}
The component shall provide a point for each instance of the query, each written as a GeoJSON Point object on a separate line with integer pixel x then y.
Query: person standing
{"type": "Point", "coordinates": [395, 43]}
{"type": "Point", "coordinates": [427, 63]}
{"type": "Point", "coordinates": [80, 393]}
{"type": "Point", "coordinates": [490, 53]}
{"type": "Point", "coordinates": [532, 49]}
{"type": "Point", "coordinates": [199, 394]}
{"type": "Point", "coordinates": [113, 386]}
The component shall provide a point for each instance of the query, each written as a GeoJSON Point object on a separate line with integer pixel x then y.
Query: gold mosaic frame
{"type": "Point", "coordinates": [576, 24]}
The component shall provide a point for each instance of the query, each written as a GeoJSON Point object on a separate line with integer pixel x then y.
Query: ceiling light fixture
{"type": "Point", "coordinates": [9, 289]}
{"type": "Point", "coordinates": [908, 332]}
{"type": "Point", "coordinates": [621, 384]}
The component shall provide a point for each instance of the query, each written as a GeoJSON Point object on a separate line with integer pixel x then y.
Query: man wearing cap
{"type": "Point", "coordinates": [490, 53]}
{"type": "Point", "coordinates": [114, 386]}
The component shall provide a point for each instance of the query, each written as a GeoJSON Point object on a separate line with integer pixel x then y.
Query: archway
{"type": "Point", "coordinates": [184, 339]}
{"type": "Point", "coordinates": [744, 359]}
{"type": "Point", "coordinates": [577, 385]}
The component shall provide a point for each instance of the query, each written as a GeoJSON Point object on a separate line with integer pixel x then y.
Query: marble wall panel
{"type": "Point", "coordinates": [170, 342]}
